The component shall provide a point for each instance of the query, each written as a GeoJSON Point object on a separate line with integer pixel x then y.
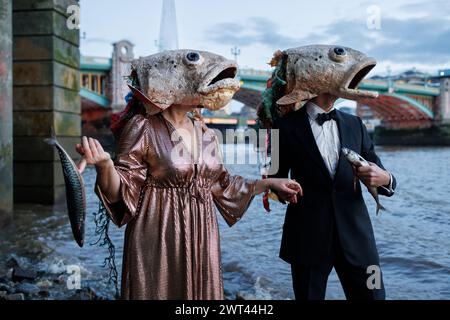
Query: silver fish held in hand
{"type": "Point", "coordinates": [75, 193]}
{"type": "Point", "coordinates": [358, 161]}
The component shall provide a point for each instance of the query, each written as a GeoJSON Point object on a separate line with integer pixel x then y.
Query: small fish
{"type": "Point", "coordinates": [184, 77]}
{"type": "Point", "coordinates": [75, 193]}
{"type": "Point", "coordinates": [358, 161]}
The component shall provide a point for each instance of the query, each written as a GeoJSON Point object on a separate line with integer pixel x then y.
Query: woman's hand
{"type": "Point", "coordinates": [92, 154]}
{"type": "Point", "coordinates": [107, 177]}
{"type": "Point", "coordinates": [286, 189]}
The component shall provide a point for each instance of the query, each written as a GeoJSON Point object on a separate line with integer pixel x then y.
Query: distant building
{"type": "Point", "coordinates": [103, 88]}
{"type": "Point", "coordinates": [444, 98]}
{"type": "Point", "coordinates": [444, 73]}
{"type": "Point", "coordinates": [168, 31]}
{"type": "Point", "coordinates": [411, 76]}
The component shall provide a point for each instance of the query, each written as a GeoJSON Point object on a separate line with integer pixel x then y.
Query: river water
{"type": "Point", "coordinates": [413, 237]}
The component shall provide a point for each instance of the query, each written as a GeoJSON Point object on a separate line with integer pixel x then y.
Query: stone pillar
{"type": "Point", "coordinates": [6, 135]}
{"type": "Point", "coordinates": [444, 100]}
{"type": "Point", "coordinates": [46, 61]}
{"type": "Point", "coordinates": [121, 67]}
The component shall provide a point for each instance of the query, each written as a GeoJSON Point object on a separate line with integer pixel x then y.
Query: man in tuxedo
{"type": "Point", "coordinates": [329, 226]}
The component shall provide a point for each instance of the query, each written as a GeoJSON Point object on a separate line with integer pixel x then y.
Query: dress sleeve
{"type": "Point", "coordinates": [232, 195]}
{"type": "Point", "coordinates": [131, 166]}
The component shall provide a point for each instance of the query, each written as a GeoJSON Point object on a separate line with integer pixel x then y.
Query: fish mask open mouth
{"type": "Point", "coordinates": [317, 69]}
{"type": "Point", "coordinates": [219, 86]}
{"type": "Point", "coordinates": [303, 73]}
{"type": "Point", "coordinates": [350, 89]}
{"type": "Point", "coordinates": [185, 77]}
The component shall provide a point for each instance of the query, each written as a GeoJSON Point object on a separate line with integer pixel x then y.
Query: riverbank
{"type": "Point", "coordinates": [412, 238]}
{"type": "Point", "coordinates": [23, 281]}
{"type": "Point", "coordinates": [38, 259]}
{"type": "Point", "coordinates": [432, 136]}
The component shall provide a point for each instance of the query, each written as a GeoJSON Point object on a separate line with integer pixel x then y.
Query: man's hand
{"type": "Point", "coordinates": [373, 175]}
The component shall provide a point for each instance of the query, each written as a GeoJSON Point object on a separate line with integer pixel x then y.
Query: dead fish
{"type": "Point", "coordinates": [358, 161]}
{"type": "Point", "coordinates": [185, 77]}
{"type": "Point", "coordinates": [75, 193]}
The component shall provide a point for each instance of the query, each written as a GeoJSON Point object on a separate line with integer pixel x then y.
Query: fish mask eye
{"type": "Point", "coordinates": [338, 54]}
{"type": "Point", "coordinates": [193, 58]}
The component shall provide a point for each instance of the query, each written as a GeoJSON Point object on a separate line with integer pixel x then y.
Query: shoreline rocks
{"type": "Point", "coordinates": [15, 296]}
{"type": "Point", "coordinates": [12, 262]}
{"type": "Point", "coordinates": [21, 282]}
{"type": "Point", "coordinates": [27, 288]}
{"type": "Point", "coordinates": [19, 274]}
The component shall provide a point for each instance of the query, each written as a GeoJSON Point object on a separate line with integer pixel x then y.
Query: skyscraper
{"type": "Point", "coordinates": [168, 32]}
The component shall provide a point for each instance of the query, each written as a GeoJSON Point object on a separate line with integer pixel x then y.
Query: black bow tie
{"type": "Point", "coordinates": [324, 117]}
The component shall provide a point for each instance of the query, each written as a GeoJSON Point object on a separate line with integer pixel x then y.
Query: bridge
{"type": "Point", "coordinates": [45, 84]}
{"type": "Point", "coordinates": [399, 105]}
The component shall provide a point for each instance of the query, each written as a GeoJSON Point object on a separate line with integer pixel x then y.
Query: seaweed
{"type": "Point", "coordinates": [133, 107]}
{"type": "Point", "coordinates": [102, 222]}
{"type": "Point", "coordinates": [268, 111]}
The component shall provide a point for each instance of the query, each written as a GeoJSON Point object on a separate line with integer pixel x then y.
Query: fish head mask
{"type": "Point", "coordinates": [316, 69]}
{"type": "Point", "coordinates": [184, 77]}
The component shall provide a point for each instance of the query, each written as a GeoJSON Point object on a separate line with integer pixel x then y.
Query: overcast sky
{"type": "Point", "coordinates": [413, 33]}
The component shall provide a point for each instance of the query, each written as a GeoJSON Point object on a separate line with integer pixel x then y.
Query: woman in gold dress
{"type": "Point", "coordinates": [171, 248]}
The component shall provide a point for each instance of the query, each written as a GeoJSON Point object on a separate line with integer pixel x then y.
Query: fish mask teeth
{"type": "Point", "coordinates": [219, 86]}
{"type": "Point", "coordinates": [185, 77]}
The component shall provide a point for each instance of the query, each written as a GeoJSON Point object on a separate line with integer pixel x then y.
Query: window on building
{"type": "Point", "coordinates": [94, 83]}
{"type": "Point", "coordinates": [103, 85]}
{"type": "Point", "coordinates": [85, 81]}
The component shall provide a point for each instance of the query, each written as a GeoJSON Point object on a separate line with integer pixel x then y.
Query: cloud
{"type": "Point", "coordinates": [412, 40]}
{"type": "Point", "coordinates": [255, 30]}
{"type": "Point", "coordinates": [430, 8]}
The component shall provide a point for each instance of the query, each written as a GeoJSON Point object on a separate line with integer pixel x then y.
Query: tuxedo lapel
{"type": "Point", "coordinates": [305, 134]}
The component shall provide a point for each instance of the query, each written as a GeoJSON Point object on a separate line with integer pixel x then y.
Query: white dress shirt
{"type": "Point", "coordinates": [327, 140]}
{"type": "Point", "coordinates": [326, 136]}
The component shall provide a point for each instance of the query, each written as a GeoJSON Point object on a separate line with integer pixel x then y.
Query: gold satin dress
{"type": "Point", "coordinates": [172, 248]}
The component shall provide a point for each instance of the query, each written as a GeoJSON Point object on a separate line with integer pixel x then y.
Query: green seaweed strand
{"type": "Point", "coordinates": [270, 110]}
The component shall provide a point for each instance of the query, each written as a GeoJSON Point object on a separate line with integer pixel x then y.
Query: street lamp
{"type": "Point", "coordinates": [235, 51]}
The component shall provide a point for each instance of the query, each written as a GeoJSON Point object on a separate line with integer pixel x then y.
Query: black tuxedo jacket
{"type": "Point", "coordinates": [328, 206]}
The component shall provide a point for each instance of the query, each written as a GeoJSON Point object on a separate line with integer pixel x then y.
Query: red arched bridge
{"type": "Point", "coordinates": [398, 106]}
